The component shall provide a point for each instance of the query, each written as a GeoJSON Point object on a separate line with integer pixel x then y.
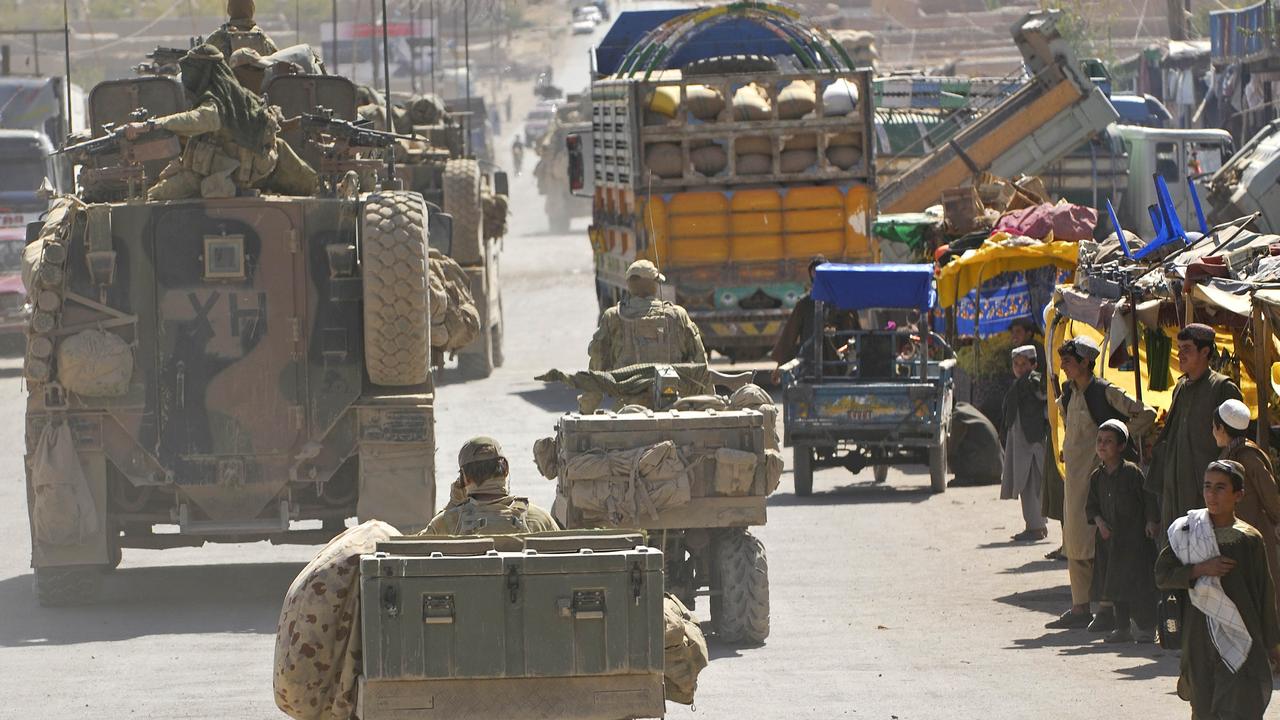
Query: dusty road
{"type": "Point", "coordinates": [888, 602]}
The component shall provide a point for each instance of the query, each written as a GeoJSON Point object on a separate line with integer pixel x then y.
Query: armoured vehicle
{"type": "Point", "coordinates": [443, 172]}
{"type": "Point", "coordinates": [218, 370]}
{"type": "Point", "coordinates": [729, 147]}
{"type": "Point", "coordinates": [694, 473]}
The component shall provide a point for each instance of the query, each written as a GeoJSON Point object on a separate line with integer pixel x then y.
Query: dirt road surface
{"type": "Point", "coordinates": [888, 602]}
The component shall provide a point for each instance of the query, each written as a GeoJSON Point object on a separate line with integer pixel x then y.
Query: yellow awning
{"type": "Point", "coordinates": [962, 275]}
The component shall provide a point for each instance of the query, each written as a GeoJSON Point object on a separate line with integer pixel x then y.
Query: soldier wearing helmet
{"type": "Point", "coordinates": [232, 140]}
{"type": "Point", "coordinates": [241, 31]}
{"type": "Point", "coordinates": [642, 329]}
{"type": "Point", "coordinates": [481, 503]}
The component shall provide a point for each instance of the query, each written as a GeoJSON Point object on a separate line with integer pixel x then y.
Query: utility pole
{"type": "Point", "coordinates": [1177, 11]}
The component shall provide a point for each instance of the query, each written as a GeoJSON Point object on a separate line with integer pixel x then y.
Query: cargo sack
{"type": "Point", "coordinates": [735, 471]}
{"type": "Point", "coordinates": [459, 324]}
{"type": "Point", "coordinates": [773, 465]}
{"type": "Point", "coordinates": [750, 102]}
{"type": "Point", "coordinates": [684, 650]}
{"type": "Point", "coordinates": [843, 156]}
{"type": "Point", "coordinates": [796, 100]}
{"type": "Point", "coordinates": [664, 159]}
{"type": "Point", "coordinates": [57, 226]}
{"type": "Point", "coordinates": [754, 397]}
{"type": "Point", "coordinates": [702, 102]}
{"type": "Point", "coordinates": [754, 164]}
{"type": "Point", "coordinates": [754, 145]}
{"type": "Point", "coordinates": [495, 215]}
{"type": "Point", "coordinates": [839, 98]}
{"type": "Point", "coordinates": [794, 161]}
{"type": "Point", "coordinates": [624, 485]}
{"type": "Point", "coordinates": [803, 141]}
{"type": "Point", "coordinates": [317, 660]}
{"type": "Point", "coordinates": [427, 110]}
{"type": "Point", "coordinates": [664, 102]}
{"type": "Point", "coordinates": [95, 363]}
{"type": "Point", "coordinates": [546, 455]}
{"type": "Point", "coordinates": [709, 160]}
{"type": "Point", "coordinates": [62, 509]}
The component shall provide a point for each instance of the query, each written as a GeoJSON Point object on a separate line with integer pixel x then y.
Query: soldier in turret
{"type": "Point", "coordinates": [241, 31]}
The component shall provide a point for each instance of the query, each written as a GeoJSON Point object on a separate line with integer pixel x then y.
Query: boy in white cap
{"type": "Point", "coordinates": [1127, 519]}
{"type": "Point", "coordinates": [1025, 429]}
{"type": "Point", "coordinates": [1260, 506]}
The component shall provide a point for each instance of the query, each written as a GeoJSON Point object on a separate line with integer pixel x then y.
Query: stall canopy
{"type": "Point", "coordinates": [959, 277]}
{"type": "Point", "coordinates": [859, 287]}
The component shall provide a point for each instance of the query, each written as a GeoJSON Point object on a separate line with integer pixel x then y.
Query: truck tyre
{"type": "Point", "coordinates": [740, 612]}
{"type": "Point", "coordinates": [67, 586]}
{"type": "Point", "coordinates": [938, 466]}
{"type": "Point", "coordinates": [730, 65]}
{"type": "Point", "coordinates": [802, 469]}
{"type": "Point", "coordinates": [498, 357]}
{"type": "Point", "coordinates": [397, 319]}
{"type": "Point", "coordinates": [462, 201]}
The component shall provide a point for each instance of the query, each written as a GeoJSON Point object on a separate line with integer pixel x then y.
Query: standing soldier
{"type": "Point", "coordinates": [482, 503]}
{"type": "Point", "coordinates": [241, 31]}
{"type": "Point", "coordinates": [232, 139]}
{"type": "Point", "coordinates": [642, 329]}
{"type": "Point", "coordinates": [1186, 445]}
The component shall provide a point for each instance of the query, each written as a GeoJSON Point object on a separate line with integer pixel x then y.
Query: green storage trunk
{"type": "Point", "coordinates": [459, 631]}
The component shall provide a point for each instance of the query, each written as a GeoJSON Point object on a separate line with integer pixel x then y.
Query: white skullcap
{"type": "Point", "coordinates": [1234, 414]}
{"type": "Point", "coordinates": [1026, 351]}
{"type": "Point", "coordinates": [1117, 426]}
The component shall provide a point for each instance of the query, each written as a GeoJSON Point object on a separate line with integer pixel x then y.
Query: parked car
{"type": "Point", "coordinates": [583, 26]}
{"type": "Point", "coordinates": [589, 13]}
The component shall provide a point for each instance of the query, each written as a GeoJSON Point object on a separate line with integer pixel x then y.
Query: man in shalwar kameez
{"type": "Point", "coordinates": [1026, 428]}
{"type": "Point", "coordinates": [1087, 402]}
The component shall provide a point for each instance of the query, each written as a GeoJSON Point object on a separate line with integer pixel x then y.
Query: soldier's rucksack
{"type": "Point", "coordinates": [650, 338]}
{"type": "Point", "coordinates": [496, 518]}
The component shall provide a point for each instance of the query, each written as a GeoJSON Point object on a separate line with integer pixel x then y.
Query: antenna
{"type": "Point", "coordinates": [386, 66]}
{"type": "Point", "coordinates": [466, 54]}
{"type": "Point", "coordinates": [66, 57]}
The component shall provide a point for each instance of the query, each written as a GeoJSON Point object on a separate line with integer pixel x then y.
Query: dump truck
{"type": "Point", "coordinates": [729, 145]}
{"type": "Point", "coordinates": [1247, 182]}
{"type": "Point", "coordinates": [1056, 111]}
{"type": "Point", "coordinates": [223, 369]}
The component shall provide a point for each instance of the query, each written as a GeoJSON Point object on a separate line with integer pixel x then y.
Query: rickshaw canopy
{"type": "Point", "coordinates": [860, 287]}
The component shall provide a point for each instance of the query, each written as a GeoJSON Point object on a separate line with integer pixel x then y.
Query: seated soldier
{"type": "Point", "coordinates": [482, 503]}
{"type": "Point", "coordinates": [232, 139]}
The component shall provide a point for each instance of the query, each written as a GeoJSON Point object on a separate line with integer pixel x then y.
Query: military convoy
{"type": "Point", "coordinates": [223, 367]}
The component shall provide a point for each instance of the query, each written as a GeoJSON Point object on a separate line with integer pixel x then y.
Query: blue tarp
{"type": "Point", "coordinates": [737, 36]}
{"type": "Point", "coordinates": [858, 287]}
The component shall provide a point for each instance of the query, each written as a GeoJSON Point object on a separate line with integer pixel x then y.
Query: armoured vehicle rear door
{"type": "Point", "coordinates": [230, 284]}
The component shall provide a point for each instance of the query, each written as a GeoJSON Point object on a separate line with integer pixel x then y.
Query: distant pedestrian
{"type": "Point", "coordinates": [1127, 519]}
{"type": "Point", "coordinates": [1260, 506]}
{"type": "Point", "coordinates": [1230, 631]}
{"type": "Point", "coordinates": [1026, 429]}
{"type": "Point", "coordinates": [1186, 445]}
{"type": "Point", "coordinates": [1086, 403]}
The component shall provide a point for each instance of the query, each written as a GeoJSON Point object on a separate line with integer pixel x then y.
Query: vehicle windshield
{"type": "Point", "coordinates": [11, 256]}
{"type": "Point", "coordinates": [22, 174]}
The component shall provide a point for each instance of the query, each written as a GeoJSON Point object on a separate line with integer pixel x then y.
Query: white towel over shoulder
{"type": "Point", "coordinates": [1193, 541]}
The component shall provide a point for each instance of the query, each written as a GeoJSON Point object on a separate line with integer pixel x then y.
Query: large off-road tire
{"type": "Point", "coordinates": [802, 469]}
{"type": "Point", "coordinates": [938, 466]}
{"type": "Point", "coordinates": [729, 65]}
{"type": "Point", "coordinates": [462, 201]}
{"type": "Point", "coordinates": [397, 319]}
{"type": "Point", "coordinates": [66, 586]}
{"type": "Point", "coordinates": [498, 357]}
{"type": "Point", "coordinates": [740, 610]}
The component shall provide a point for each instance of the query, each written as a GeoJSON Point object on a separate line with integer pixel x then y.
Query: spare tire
{"type": "Point", "coordinates": [729, 65]}
{"type": "Point", "coordinates": [394, 271]}
{"type": "Point", "coordinates": [462, 201]}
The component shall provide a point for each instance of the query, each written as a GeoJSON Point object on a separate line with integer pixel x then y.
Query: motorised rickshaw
{"type": "Point", "coordinates": [877, 397]}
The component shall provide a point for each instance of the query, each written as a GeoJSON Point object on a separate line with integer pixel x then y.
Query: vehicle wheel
{"type": "Point", "coordinates": [802, 469]}
{"type": "Point", "coordinates": [729, 65]}
{"type": "Point", "coordinates": [478, 365]}
{"type": "Point", "coordinates": [397, 321]}
{"type": "Point", "coordinates": [462, 201]}
{"type": "Point", "coordinates": [115, 554]}
{"type": "Point", "coordinates": [740, 612]}
{"type": "Point", "coordinates": [881, 473]}
{"type": "Point", "coordinates": [938, 467]}
{"type": "Point", "coordinates": [66, 586]}
{"type": "Point", "coordinates": [498, 357]}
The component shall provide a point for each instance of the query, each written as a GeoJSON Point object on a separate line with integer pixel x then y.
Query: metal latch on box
{"type": "Point", "coordinates": [585, 605]}
{"type": "Point", "coordinates": [437, 609]}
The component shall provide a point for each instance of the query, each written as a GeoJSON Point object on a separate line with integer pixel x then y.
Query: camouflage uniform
{"type": "Point", "coordinates": [642, 330]}
{"type": "Point", "coordinates": [487, 508]}
{"type": "Point", "coordinates": [215, 164]}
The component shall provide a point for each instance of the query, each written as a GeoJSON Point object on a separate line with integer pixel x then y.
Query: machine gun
{"type": "Point", "coordinates": [164, 61]}
{"type": "Point", "coordinates": [347, 139]}
{"type": "Point", "coordinates": [113, 162]}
